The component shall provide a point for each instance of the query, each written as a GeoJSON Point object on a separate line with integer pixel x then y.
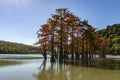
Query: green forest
{"type": "Point", "coordinates": [112, 34]}
{"type": "Point", "coordinates": [16, 48]}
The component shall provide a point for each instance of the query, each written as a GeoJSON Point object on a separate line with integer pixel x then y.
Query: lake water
{"type": "Point", "coordinates": [38, 69]}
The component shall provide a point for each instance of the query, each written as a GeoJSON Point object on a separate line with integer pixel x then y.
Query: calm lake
{"type": "Point", "coordinates": [12, 68]}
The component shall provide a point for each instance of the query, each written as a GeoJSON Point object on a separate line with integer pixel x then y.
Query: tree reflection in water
{"type": "Point", "coordinates": [74, 71]}
{"type": "Point", "coordinates": [57, 71]}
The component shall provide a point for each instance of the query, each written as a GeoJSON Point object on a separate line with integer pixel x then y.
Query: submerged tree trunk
{"type": "Point", "coordinates": [52, 58]}
{"type": "Point", "coordinates": [82, 56]}
{"type": "Point", "coordinates": [77, 52]}
{"type": "Point", "coordinates": [52, 49]}
{"type": "Point", "coordinates": [103, 55]}
{"type": "Point", "coordinates": [61, 41]}
{"type": "Point", "coordinates": [77, 55]}
{"type": "Point", "coordinates": [86, 57]}
{"type": "Point", "coordinates": [72, 55]}
{"type": "Point", "coordinates": [44, 55]}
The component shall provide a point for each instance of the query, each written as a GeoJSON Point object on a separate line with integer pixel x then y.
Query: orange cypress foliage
{"type": "Point", "coordinates": [64, 31]}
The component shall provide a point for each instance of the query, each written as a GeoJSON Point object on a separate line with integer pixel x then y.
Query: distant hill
{"type": "Point", "coordinates": [112, 33]}
{"type": "Point", "coordinates": [16, 48]}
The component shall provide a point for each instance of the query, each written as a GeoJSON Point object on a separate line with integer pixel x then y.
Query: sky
{"type": "Point", "coordinates": [21, 19]}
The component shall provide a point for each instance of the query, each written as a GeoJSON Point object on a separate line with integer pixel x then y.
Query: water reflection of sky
{"type": "Point", "coordinates": [22, 71]}
{"type": "Point", "coordinates": [38, 69]}
{"type": "Point", "coordinates": [19, 55]}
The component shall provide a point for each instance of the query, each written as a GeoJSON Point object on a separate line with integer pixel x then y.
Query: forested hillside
{"type": "Point", "coordinates": [112, 34]}
{"type": "Point", "coordinates": [16, 48]}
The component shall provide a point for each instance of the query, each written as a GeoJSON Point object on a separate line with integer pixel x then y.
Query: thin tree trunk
{"type": "Point", "coordinates": [82, 56]}
{"type": "Point", "coordinates": [61, 41]}
{"type": "Point", "coordinates": [77, 52]}
{"type": "Point", "coordinates": [52, 49]}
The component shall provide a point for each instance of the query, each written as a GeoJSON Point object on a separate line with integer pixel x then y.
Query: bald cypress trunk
{"type": "Point", "coordinates": [83, 56]}
{"type": "Point", "coordinates": [61, 41]}
{"type": "Point", "coordinates": [52, 49]}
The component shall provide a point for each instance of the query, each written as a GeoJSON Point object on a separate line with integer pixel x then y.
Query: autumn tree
{"type": "Point", "coordinates": [66, 33]}
{"type": "Point", "coordinates": [104, 48]}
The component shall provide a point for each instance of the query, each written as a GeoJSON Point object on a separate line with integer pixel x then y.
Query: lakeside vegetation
{"type": "Point", "coordinates": [66, 34]}
{"type": "Point", "coordinates": [16, 48]}
{"type": "Point", "coordinates": [112, 34]}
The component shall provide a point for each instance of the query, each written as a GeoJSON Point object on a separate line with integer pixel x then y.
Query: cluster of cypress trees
{"type": "Point", "coordinates": [66, 34]}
